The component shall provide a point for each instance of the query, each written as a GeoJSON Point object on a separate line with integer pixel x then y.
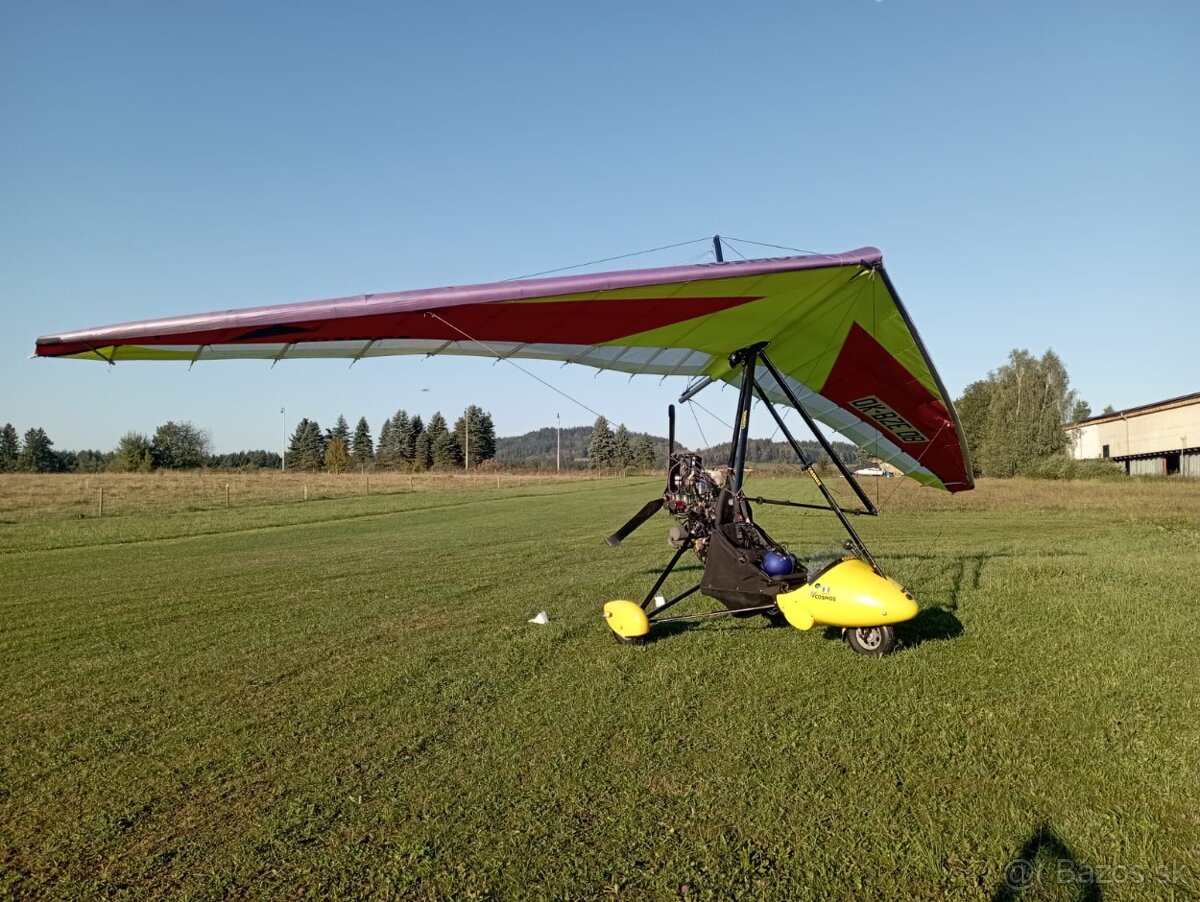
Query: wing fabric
{"type": "Point", "coordinates": [835, 326]}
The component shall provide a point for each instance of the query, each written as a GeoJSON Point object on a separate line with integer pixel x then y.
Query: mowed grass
{"type": "Point", "coordinates": [343, 698]}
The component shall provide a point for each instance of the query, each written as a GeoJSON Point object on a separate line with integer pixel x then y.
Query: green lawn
{"type": "Point", "coordinates": [343, 697]}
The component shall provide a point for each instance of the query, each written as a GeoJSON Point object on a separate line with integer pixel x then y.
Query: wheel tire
{"type": "Point", "coordinates": [629, 640]}
{"type": "Point", "coordinates": [775, 618]}
{"type": "Point", "coordinates": [872, 641]}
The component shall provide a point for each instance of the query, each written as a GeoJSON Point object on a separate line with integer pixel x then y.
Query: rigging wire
{"type": "Point", "coordinates": [509, 360]}
{"type": "Point", "coordinates": [711, 414]}
{"type": "Point", "coordinates": [707, 252]}
{"type": "Point", "coordinates": [547, 272]}
{"type": "Point", "coordinates": [703, 437]}
{"type": "Point", "coordinates": [734, 249]}
{"type": "Point", "coordinates": [778, 247]}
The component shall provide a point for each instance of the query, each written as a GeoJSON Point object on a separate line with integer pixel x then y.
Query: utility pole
{"type": "Point", "coordinates": [283, 440]}
{"type": "Point", "coordinates": [558, 467]}
{"type": "Point", "coordinates": [467, 439]}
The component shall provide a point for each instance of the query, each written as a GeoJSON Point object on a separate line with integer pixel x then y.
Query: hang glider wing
{"type": "Point", "coordinates": [835, 326]}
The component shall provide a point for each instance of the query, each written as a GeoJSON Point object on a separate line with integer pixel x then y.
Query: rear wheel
{"type": "Point", "coordinates": [874, 641]}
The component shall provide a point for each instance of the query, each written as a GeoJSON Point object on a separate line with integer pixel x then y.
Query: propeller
{"type": "Point", "coordinates": [654, 506]}
{"type": "Point", "coordinates": [634, 522]}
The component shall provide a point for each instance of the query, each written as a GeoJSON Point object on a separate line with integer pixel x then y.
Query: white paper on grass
{"type": "Point", "coordinates": [541, 619]}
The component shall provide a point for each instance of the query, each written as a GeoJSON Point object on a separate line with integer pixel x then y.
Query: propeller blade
{"type": "Point", "coordinates": [634, 522]}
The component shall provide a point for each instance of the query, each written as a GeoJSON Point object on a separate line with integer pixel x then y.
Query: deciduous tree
{"type": "Point", "coordinates": [1015, 417]}
{"type": "Point", "coordinates": [179, 446]}
{"type": "Point", "coordinates": [337, 458]}
{"type": "Point", "coordinates": [973, 409]}
{"type": "Point", "coordinates": [134, 454]}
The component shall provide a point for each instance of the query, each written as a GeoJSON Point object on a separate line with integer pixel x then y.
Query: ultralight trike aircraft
{"type": "Point", "coordinates": [824, 334]}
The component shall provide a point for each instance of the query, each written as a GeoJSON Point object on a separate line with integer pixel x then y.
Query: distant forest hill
{"type": "Point", "coordinates": [537, 448]}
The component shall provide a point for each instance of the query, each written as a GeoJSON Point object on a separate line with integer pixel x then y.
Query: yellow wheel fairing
{"type": "Point", "coordinates": [626, 619]}
{"type": "Point", "coordinates": [795, 612]}
{"type": "Point", "coordinates": [848, 594]}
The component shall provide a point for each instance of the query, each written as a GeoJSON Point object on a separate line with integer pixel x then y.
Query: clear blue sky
{"type": "Point", "coordinates": [1029, 170]}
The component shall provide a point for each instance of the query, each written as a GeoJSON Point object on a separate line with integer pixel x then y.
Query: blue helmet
{"type": "Point", "coordinates": [778, 562]}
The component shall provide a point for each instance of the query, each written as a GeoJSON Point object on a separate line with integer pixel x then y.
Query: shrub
{"type": "Point", "coordinates": [1060, 466]}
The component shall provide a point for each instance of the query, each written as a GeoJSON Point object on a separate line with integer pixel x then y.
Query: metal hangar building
{"type": "Point", "coordinates": [1160, 439]}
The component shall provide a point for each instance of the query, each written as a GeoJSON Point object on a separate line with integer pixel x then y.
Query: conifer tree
{"type": "Point", "coordinates": [600, 448]}
{"type": "Point", "coordinates": [385, 453]}
{"type": "Point", "coordinates": [446, 453]}
{"type": "Point", "coordinates": [443, 446]}
{"type": "Point", "coordinates": [362, 449]}
{"type": "Point", "coordinates": [622, 448]}
{"type": "Point", "coordinates": [643, 454]}
{"type": "Point", "coordinates": [481, 440]}
{"type": "Point", "coordinates": [421, 444]}
{"type": "Point", "coordinates": [403, 447]}
{"type": "Point", "coordinates": [10, 448]}
{"type": "Point", "coordinates": [341, 429]}
{"type": "Point", "coordinates": [37, 454]}
{"type": "Point", "coordinates": [306, 450]}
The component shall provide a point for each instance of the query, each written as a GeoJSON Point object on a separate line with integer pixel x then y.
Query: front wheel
{"type": "Point", "coordinates": [873, 641]}
{"type": "Point", "coordinates": [628, 640]}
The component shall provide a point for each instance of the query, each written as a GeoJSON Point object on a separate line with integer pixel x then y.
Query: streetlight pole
{"type": "Point", "coordinates": [283, 440]}
{"type": "Point", "coordinates": [558, 418]}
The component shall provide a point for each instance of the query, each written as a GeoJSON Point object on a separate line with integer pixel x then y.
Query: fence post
{"type": "Point", "coordinates": [306, 491]}
{"type": "Point", "coordinates": [227, 494]}
{"type": "Point", "coordinates": [101, 501]}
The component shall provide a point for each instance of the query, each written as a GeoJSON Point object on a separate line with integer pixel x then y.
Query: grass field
{"type": "Point", "coordinates": [342, 697]}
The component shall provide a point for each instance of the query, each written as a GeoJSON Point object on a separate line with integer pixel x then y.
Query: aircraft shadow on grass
{"type": "Point", "coordinates": [1046, 861]}
{"type": "Point", "coordinates": [930, 625]}
{"type": "Point", "coordinates": [966, 570]}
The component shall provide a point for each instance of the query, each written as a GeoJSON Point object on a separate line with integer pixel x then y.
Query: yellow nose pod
{"type": "Point", "coordinates": [848, 594]}
{"type": "Point", "coordinates": [626, 619]}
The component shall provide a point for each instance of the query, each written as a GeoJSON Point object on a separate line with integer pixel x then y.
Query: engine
{"type": "Point", "coordinates": [691, 499]}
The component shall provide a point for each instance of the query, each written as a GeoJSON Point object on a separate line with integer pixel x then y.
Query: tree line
{"type": "Point", "coordinates": [618, 449]}
{"type": "Point", "coordinates": [405, 443]}
{"type": "Point", "coordinates": [174, 445]}
{"type": "Point", "coordinates": [1015, 420]}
